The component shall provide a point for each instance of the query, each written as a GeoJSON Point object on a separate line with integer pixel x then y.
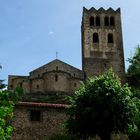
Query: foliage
{"type": "Point", "coordinates": [134, 73]}
{"type": "Point", "coordinates": [7, 102]}
{"type": "Point", "coordinates": [100, 107]}
{"type": "Point", "coordinates": [134, 68]}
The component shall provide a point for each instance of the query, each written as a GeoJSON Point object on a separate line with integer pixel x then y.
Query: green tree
{"type": "Point", "coordinates": [134, 73]}
{"type": "Point", "coordinates": [134, 68]}
{"type": "Point", "coordinates": [7, 102]}
{"type": "Point", "coordinates": [100, 107]}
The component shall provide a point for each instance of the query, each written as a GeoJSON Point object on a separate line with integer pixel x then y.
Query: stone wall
{"type": "Point", "coordinates": [57, 81]}
{"type": "Point", "coordinates": [51, 122]}
{"type": "Point", "coordinates": [102, 55]}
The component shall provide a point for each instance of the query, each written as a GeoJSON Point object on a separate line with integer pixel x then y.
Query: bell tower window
{"type": "Point", "coordinates": [95, 38]}
{"type": "Point", "coordinates": [106, 21]}
{"type": "Point", "coordinates": [91, 21]}
{"type": "Point", "coordinates": [112, 21]}
{"type": "Point", "coordinates": [110, 38]}
{"type": "Point", "coordinates": [97, 21]}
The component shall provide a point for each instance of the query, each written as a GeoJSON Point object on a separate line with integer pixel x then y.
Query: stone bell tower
{"type": "Point", "coordinates": [102, 43]}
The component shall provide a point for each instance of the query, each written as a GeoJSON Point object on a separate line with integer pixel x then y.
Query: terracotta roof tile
{"type": "Point", "coordinates": [35, 104]}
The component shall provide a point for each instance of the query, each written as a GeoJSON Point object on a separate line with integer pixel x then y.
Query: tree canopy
{"type": "Point", "coordinates": [134, 81]}
{"type": "Point", "coordinates": [100, 107]}
{"type": "Point", "coordinates": [134, 68]}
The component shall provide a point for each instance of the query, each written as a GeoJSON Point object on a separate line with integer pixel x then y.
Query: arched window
{"type": "Point", "coordinates": [56, 78]}
{"type": "Point", "coordinates": [91, 21]}
{"type": "Point", "coordinates": [97, 21]}
{"type": "Point", "coordinates": [112, 21]}
{"type": "Point", "coordinates": [95, 38]}
{"type": "Point", "coordinates": [110, 38]}
{"type": "Point", "coordinates": [106, 21]}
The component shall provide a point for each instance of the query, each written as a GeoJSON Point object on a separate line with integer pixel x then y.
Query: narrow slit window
{"type": "Point", "coordinates": [20, 84]}
{"type": "Point", "coordinates": [112, 21]}
{"type": "Point", "coordinates": [56, 78]}
{"type": "Point", "coordinates": [75, 84]}
{"type": "Point", "coordinates": [95, 38]}
{"type": "Point", "coordinates": [91, 21]}
{"type": "Point", "coordinates": [56, 67]}
{"type": "Point", "coordinates": [110, 38]}
{"type": "Point", "coordinates": [97, 21]}
{"type": "Point", "coordinates": [105, 65]}
{"type": "Point", "coordinates": [106, 21]}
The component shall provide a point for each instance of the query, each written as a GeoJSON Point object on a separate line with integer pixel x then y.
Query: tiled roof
{"type": "Point", "coordinates": [49, 105]}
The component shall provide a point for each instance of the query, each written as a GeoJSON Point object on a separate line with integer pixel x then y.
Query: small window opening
{"type": "Point", "coordinates": [35, 115]}
{"type": "Point", "coordinates": [56, 67]}
{"type": "Point", "coordinates": [37, 86]}
{"type": "Point", "coordinates": [56, 78]}
{"type": "Point", "coordinates": [75, 84]}
{"type": "Point", "coordinates": [97, 21]}
{"type": "Point", "coordinates": [106, 21]}
{"type": "Point", "coordinates": [11, 86]}
{"type": "Point", "coordinates": [110, 38]}
{"type": "Point", "coordinates": [105, 65]}
{"type": "Point", "coordinates": [112, 21]}
{"type": "Point", "coordinates": [38, 75]}
{"type": "Point", "coordinates": [95, 38]}
{"type": "Point", "coordinates": [91, 21]}
{"type": "Point", "coordinates": [20, 84]}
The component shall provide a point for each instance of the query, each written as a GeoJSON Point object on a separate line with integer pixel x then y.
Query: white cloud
{"type": "Point", "coordinates": [51, 32]}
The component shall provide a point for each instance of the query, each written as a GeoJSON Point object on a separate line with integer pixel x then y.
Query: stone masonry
{"type": "Point", "coordinates": [102, 44]}
{"type": "Point", "coordinates": [49, 122]}
{"type": "Point", "coordinates": [55, 76]}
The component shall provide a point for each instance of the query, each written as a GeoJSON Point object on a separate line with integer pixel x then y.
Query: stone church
{"type": "Point", "coordinates": [102, 48]}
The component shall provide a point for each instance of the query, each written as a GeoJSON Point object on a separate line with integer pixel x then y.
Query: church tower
{"type": "Point", "coordinates": [102, 43]}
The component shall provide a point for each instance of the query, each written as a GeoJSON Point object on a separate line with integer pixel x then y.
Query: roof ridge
{"type": "Point", "coordinates": [54, 61]}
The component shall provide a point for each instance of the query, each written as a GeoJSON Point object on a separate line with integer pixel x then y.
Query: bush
{"type": "Point", "coordinates": [100, 107]}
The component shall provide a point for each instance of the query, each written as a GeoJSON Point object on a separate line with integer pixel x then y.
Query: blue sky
{"type": "Point", "coordinates": [31, 31]}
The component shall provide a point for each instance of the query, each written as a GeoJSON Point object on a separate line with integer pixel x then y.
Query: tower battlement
{"type": "Point", "coordinates": [101, 10]}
